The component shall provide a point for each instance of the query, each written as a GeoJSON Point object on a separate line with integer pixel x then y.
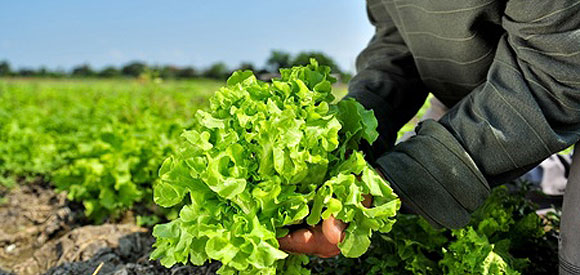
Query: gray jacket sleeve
{"type": "Point", "coordinates": [387, 81]}
{"type": "Point", "coordinates": [528, 109]}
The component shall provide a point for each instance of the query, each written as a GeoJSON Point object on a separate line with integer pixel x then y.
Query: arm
{"type": "Point", "coordinates": [387, 80]}
{"type": "Point", "coordinates": [528, 109]}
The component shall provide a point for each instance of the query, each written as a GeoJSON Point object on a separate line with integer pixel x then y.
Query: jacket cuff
{"type": "Point", "coordinates": [435, 176]}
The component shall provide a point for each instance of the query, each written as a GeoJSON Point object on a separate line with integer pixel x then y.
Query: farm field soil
{"type": "Point", "coordinates": [42, 233]}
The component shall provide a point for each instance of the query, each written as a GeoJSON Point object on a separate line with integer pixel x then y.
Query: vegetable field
{"type": "Point", "coordinates": [101, 141]}
{"type": "Point", "coordinates": [89, 167]}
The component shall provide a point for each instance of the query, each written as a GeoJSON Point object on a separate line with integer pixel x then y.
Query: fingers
{"type": "Point", "coordinates": [321, 240]}
{"type": "Point", "coordinates": [333, 230]}
{"type": "Point", "coordinates": [331, 252]}
{"type": "Point", "coordinates": [309, 241]}
{"type": "Point", "coordinates": [323, 248]}
{"type": "Point", "coordinates": [299, 241]}
{"type": "Point", "coordinates": [368, 200]}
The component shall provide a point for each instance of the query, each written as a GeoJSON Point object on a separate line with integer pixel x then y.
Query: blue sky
{"type": "Point", "coordinates": [61, 34]}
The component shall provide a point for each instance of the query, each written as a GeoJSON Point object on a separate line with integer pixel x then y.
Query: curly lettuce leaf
{"type": "Point", "coordinates": [265, 156]}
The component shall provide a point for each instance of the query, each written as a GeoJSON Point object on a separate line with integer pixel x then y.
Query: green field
{"type": "Point", "coordinates": [101, 140]}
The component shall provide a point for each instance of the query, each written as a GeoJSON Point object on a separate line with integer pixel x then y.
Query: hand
{"type": "Point", "coordinates": [321, 240]}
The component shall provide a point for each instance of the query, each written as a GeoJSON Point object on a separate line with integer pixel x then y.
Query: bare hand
{"type": "Point", "coordinates": [321, 240]}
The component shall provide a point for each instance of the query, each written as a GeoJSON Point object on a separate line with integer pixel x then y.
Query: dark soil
{"type": "Point", "coordinates": [31, 215]}
{"type": "Point", "coordinates": [130, 256]}
{"type": "Point", "coordinates": [42, 233]}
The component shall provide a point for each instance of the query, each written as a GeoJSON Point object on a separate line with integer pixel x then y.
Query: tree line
{"type": "Point", "coordinates": [277, 59]}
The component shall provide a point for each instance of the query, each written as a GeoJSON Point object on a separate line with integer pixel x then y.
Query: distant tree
{"type": "Point", "coordinates": [217, 71]}
{"type": "Point", "coordinates": [5, 69]}
{"type": "Point", "coordinates": [168, 71]}
{"type": "Point", "coordinates": [26, 72]}
{"type": "Point", "coordinates": [247, 66]}
{"type": "Point", "coordinates": [58, 72]}
{"type": "Point", "coordinates": [303, 58]}
{"type": "Point", "coordinates": [109, 71]}
{"type": "Point", "coordinates": [43, 72]}
{"type": "Point", "coordinates": [83, 70]}
{"type": "Point", "coordinates": [134, 69]}
{"type": "Point", "coordinates": [278, 59]}
{"type": "Point", "coordinates": [187, 72]}
{"type": "Point", "coordinates": [261, 71]}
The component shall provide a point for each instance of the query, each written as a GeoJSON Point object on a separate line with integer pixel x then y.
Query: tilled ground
{"type": "Point", "coordinates": [30, 216]}
{"type": "Point", "coordinates": [40, 233]}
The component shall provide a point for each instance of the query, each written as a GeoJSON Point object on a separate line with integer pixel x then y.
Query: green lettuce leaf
{"type": "Point", "coordinates": [265, 156]}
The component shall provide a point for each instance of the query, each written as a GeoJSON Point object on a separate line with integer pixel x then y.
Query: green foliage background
{"type": "Point", "coordinates": [504, 236]}
{"type": "Point", "coordinates": [102, 141]}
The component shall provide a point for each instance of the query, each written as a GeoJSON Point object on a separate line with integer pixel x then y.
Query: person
{"type": "Point", "coordinates": [509, 72]}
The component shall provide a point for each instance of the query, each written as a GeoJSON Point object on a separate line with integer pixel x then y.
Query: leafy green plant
{"type": "Point", "coordinates": [504, 236]}
{"type": "Point", "coordinates": [101, 142]}
{"type": "Point", "coordinates": [113, 172]}
{"type": "Point", "coordinates": [267, 156]}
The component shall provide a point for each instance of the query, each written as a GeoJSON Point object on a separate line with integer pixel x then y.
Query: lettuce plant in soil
{"type": "Point", "coordinates": [263, 157]}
